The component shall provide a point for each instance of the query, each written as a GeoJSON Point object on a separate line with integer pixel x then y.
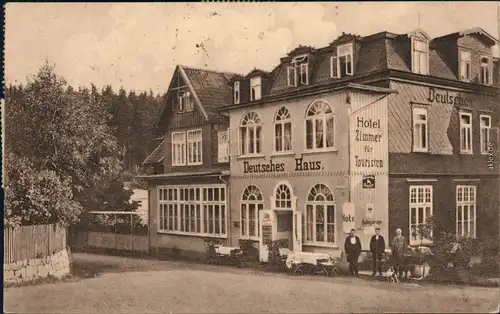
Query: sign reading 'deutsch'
{"type": "Point", "coordinates": [448, 97]}
{"type": "Point", "coordinates": [300, 165]}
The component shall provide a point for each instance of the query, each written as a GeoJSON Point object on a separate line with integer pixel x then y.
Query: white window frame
{"type": "Point", "coordinates": [223, 146]}
{"type": "Point", "coordinates": [345, 51]}
{"type": "Point", "coordinates": [251, 196]}
{"type": "Point", "coordinates": [185, 101]}
{"type": "Point", "coordinates": [465, 131]}
{"type": "Point", "coordinates": [255, 88]}
{"type": "Point", "coordinates": [329, 203]}
{"type": "Point", "coordinates": [417, 130]}
{"type": "Point", "coordinates": [426, 201]}
{"type": "Point", "coordinates": [299, 70]}
{"type": "Point", "coordinates": [323, 118]}
{"type": "Point", "coordinates": [466, 196]}
{"type": "Point", "coordinates": [465, 65]}
{"type": "Point", "coordinates": [484, 133]}
{"type": "Point", "coordinates": [194, 144]}
{"type": "Point", "coordinates": [236, 92]}
{"type": "Point", "coordinates": [179, 149]}
{"type": "Point", "coordinates": [424, 70]}
{"type": "Point", "coordinates": [486, 69]}
{"type": "Point", "coordinates": [200, 201]}
{"type": "Point", "coordinates": [282, 119]}
{"type": "Point", "coordinates": [251, 123]}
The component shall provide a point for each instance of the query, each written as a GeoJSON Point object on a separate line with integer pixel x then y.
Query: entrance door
{"type": "Point", "coordinates": [297, 231]}
{"type": "Point", "coordinates": [265, 233]}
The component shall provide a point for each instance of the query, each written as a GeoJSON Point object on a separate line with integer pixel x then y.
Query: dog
{"type": "Point", "coordinates": [392, 275]}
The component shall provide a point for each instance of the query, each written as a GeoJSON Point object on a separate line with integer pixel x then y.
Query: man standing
{"type": "Point", "coordinates": [399, 250]}
{"type": "Point", "coordinates": [352, 248]}
{"type": "Point", "coordinates": [377, 247]}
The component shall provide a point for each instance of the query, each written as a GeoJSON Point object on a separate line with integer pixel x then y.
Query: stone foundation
{"type": "Point", "coordinates": [56, 265]}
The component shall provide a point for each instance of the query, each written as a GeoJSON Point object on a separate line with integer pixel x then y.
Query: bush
{"type": "Point", "coordinates": [489, 267]}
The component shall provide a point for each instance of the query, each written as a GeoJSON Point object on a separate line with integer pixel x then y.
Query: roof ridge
{"type": "Point", "coordinates": [207, 70]}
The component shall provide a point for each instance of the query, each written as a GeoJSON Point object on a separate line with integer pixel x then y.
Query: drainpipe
{"type": "Point", "coordinates": [228, 208]}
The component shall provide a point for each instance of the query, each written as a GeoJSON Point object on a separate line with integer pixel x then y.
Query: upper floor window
{"type": "Point", "coordinates": [194, 147]}
{"type": "Point", "coordinates": [486, 77]}
{"type": "Point", "coordinates": [298, 72]}
{"type": "Point", "coordinates": [420, 56]}
{"type": "Point", "coordinates": [485, 124]}
{"type": "Point", "coordinates": [420, 130]}
{"type": "Point", "coordinates": [178, 148]}
{"type": "Point", "coordinates": [320, 126]}
{"type": "Point", "coordinates": [255, 88]}
{"type": "Point", "coordinates": [465, 66]}
{"type": "Point", "coordinates": [236, 92]}
{"type": "Point", "coordinates": [185, 102]}
{"type": "Point", "coordinates": [466, 132]}
{"type": "Point", "coordinates": [282, 131]}
{"type": "Point", "coordinates": [223, 146]}
{"type": "Point", "coordinates": [344, 61]}
{"type": "Point", "coordinates": [251, 134]}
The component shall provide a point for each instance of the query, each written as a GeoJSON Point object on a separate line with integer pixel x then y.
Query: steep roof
{"type": "Point", "coordinates": [156, 156]}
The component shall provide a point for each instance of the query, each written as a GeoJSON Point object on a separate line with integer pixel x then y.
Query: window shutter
{"type": "Point", "coordinates": [233, 142]}
{"type": "Point", "coordinates": [291, 76]}
{"type": "Point", "coordinates": [334, 67]}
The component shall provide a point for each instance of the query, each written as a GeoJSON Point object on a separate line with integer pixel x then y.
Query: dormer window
{"type": "Point", "coordinates": [298, 72]}
{"type": "Point", "coordinates": [420, 56]}
{"type": "Point", "coordinates": [185, 102]}
{"type": "Point", "coordinates": [465, 66]}
{"type": "Point", "coordinates": [236, 92]}
{"type": "Point", "coordinates": [343, 62]}
{"type": "Point", "coordinates": [486, 77]}
{"type": "Point", "coordinates": [255, 88]}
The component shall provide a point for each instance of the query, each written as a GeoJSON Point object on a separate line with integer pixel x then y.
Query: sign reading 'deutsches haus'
{"type": "Point", "coordinates": [369, 134]}
{"type": "Point", "coordinates": [270, 166]}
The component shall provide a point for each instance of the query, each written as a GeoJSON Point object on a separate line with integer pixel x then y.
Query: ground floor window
{"type": "Point", "coordinates": [320, 216]}
{"type": "Point", "coordinates": [420, 211]}
{"type": "Point", "coordinates": [251, 203]}
{"type": "Point", "coordinates": [188, 209]}
{"type": "Point", "coordinates": [466, 210]}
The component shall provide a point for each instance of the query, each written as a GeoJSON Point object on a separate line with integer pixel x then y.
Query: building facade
{"type": "Point", "coordinates": [187, 173]}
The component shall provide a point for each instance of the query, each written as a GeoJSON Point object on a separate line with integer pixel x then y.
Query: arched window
{"type": "Point", "coordinates": [320, 215]}
{"type": "Point", "coordinates": [251, 203]}
{"type": "Point", "coordinates": [282, 131]}
{"type": "Point", "coordinates": [283, 197]}
{"type": "Point", "coordinates": [250, 134]}
{"type": "Point", "coordinates": [320, 126]}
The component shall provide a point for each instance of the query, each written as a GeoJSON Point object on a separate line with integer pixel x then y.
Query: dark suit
{"type": "Point", "coordinates": [352, 251]}
{"type": "Point", "coordinates": [377, 247]}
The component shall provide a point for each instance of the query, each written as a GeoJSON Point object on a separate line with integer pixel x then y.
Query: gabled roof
{"type": "Point", "coordinates": [420, 33]}
{"type": "Point", "coordinates": [476, 31]}
{"type": "Point", "coordinates": [156, 156]}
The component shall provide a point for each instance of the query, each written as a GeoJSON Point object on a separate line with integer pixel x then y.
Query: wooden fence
{"type": "Point", "coordinates": [29, 242]}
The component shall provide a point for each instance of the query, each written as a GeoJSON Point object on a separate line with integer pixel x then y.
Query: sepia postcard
{"type": "Point", "coordinates": [251, 157]}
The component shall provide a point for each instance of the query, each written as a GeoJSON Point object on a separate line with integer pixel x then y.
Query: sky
{"type": "Point", "coordinates": [138, 45]}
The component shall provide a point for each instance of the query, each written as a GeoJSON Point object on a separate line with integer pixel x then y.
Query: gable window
{"type": "Point", "coordinates": [465, 132]}
{"type": "Point", "coordinates": [344, 61]}
{"type": "Point", "coordinates": [485, 123]}
{"type": "Point", "coordinates": [466, 211]}
{"type": "Point", "coordinates": [320, 126]}
{"type": "Point", "coordinates": [465, 66]}
{"type": "Point", "coordinates": [298, 72]}
{"type": "Point", "coordinates": [255, 88]}
{"type": "Point", "coordinates": [251, 134]}
{"type": "Point", "coordinates": [486, 77]}
{"type": "Point", "coordinates": [185, 102]}
{"type": "Point", "coordinates": [320, 216]}
{"type": "Point", "coordinates": [420, 130]}
{"type": "Point", "coordinates": [282, 131]}
{"type": "Point", "coordinates": [194, 147]}
{"type": "Point", "coordinates": [420, 56]}
{"type": "Point", "coordinates": [251, 204]}
{"type": "Point", "coordinates": [194, 210]}
{"type": "Point", "coordinates": [420, 211]}
{"type": "Point", "coordinates": [178, 148]}
{"type": "Point", "coordinates": [236, 90]}
{"type": "Point", "coordinates": [223, 146]}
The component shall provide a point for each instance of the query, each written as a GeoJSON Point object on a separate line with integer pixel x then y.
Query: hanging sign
{"type": "Point", "coordinates": [348, 217]}
{"type": "Point", "coordinates": [368, 182]}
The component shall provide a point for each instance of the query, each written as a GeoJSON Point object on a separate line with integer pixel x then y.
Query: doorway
{"type": "Point", "coordinates": [284, 227]}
